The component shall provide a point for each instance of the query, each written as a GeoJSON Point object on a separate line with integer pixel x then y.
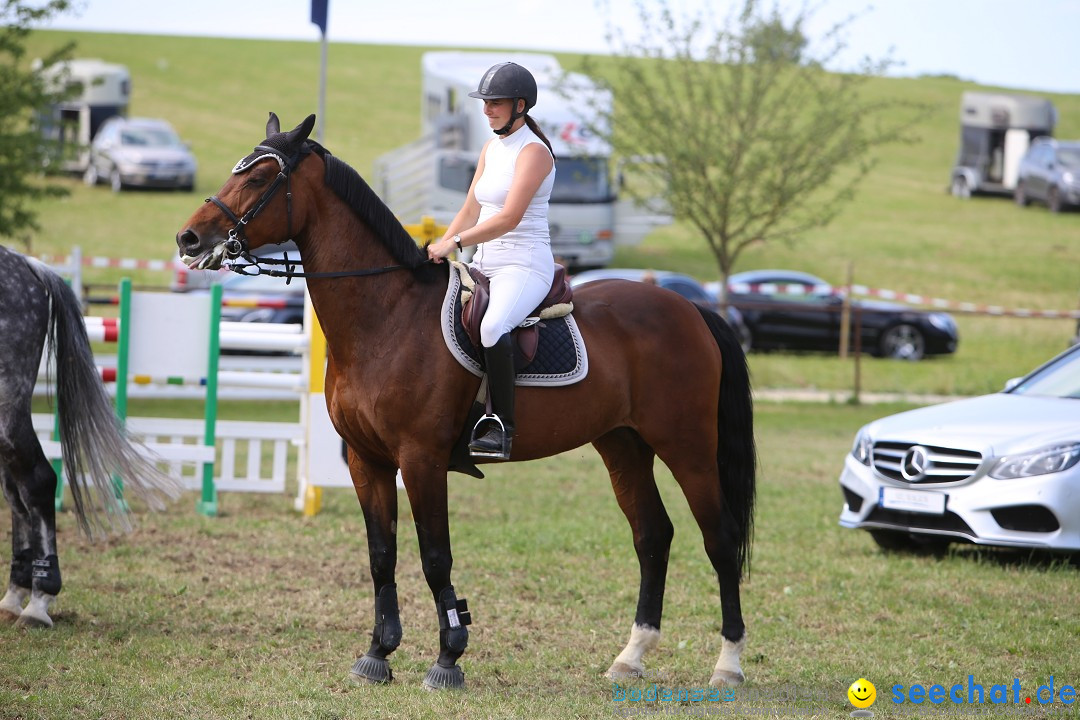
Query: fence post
{"type": "Point", "coordinates": [75, 267]}
{"type": "Point", "coordinates": [845, 315]}
{"type": "Point", "coordinates": [208, 502]}
{"type": "Point", "coordinates": [123, 350]}
{"type": "Point", "coordinates": [855, 397]}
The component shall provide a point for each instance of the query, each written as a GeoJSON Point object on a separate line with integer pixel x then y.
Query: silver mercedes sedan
{"type": "Point", "coordinates": [999, 469]}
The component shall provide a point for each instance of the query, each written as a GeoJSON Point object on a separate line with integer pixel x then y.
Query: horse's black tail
{"type": "Point", "coordinates": [736, 452]}
{"type": "Point", "coordinates": [93, 443]}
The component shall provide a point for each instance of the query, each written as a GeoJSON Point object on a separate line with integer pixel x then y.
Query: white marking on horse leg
{"type": "Point", "coordinates": [36, 612]}
{"type": "Point", "coordinates": [11, 605]}
{"type": "Point", "coordinates": [727, 670]}
{"type": "Point", "coordinates": [628, 664]}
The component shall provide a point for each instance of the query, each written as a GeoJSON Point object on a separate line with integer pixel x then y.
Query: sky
{"type": "Point", "coordinates": [1022, 44]}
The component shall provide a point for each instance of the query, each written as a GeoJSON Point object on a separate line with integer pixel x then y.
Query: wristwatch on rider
{"type": "Point", "coordinates": [457, 241]}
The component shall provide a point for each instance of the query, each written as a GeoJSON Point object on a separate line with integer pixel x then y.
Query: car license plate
{"type": "Point", "coordinates": [920, 501]}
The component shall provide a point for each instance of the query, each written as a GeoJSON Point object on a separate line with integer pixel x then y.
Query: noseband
{"type": "Point", "coordinates": [237, 246]}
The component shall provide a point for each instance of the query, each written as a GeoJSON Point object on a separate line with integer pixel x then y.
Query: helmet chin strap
{"type": "Point", "coordinates": [514, 115]}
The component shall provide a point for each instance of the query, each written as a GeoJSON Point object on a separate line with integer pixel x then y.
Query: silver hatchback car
{"type": "Point", "coordinates": [999, 469]}
{"type": "Point", "coordinates": [140, 152]}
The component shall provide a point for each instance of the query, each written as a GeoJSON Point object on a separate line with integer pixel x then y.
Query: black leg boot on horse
{"type": "Point", "coordinates": [494, 432]}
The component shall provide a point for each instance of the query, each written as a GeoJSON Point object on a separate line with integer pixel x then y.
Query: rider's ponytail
{"type": "Point", "coordinates": [539, 133]}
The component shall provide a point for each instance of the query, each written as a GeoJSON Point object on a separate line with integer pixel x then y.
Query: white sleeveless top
{"type": "Point", "coordinates": [494, 185]}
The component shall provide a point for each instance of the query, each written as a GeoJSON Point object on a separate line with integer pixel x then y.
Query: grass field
{"type": "Point", "coordinates": [260, 612]}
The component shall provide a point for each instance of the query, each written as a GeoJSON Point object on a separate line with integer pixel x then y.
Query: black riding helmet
{"type": "Point", "coordinates": [507, 80]}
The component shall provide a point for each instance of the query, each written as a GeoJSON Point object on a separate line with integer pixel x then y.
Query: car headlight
{"type": "Point", "coordinates": [1068, 177]}
{"type": "Point", "coordinates": [863, 448]}
{"type": "Point", "coordinates": [942, 321]}
{"type": "Point", "coordinates": [1040, 462]}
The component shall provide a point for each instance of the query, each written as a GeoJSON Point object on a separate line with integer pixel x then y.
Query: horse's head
{"type": "Point", "coordinates": [254, 207]}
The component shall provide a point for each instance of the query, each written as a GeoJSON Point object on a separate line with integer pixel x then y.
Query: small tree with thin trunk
{"type": "Point", "coordinates": [25, 156]}
{"type": "Point", "coordinates": [741, 132]}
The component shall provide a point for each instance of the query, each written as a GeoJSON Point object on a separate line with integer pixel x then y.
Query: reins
{"type": "Point", "coordinates": [289, 272]}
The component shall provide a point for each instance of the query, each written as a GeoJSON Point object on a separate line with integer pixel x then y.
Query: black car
{"type": "Point", "coordinates": [684, 285]}
{"type": "Point", "coordinates": [1050, 174]}
{"type": "Point", "coordinates": [790, 310]}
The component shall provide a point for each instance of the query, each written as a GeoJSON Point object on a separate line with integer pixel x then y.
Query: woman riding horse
{"type": "Point", "coordinates": [665, 379]}
{"type": "Point", "coordinates": [506, 215]}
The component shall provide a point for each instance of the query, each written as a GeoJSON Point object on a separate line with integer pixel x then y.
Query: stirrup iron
{"type": "Point", "coordinates": [485, 425]}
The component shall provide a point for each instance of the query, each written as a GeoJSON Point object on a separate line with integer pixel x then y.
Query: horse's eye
{"type": "Point", "coordinates": [255, 181]}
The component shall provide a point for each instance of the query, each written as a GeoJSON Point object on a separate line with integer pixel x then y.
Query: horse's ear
{"type": "Point", "coordinates": [273, 125]}
{"type": "Point", "coordinates": [300, 133]}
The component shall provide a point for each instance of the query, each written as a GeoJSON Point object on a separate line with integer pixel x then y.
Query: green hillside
{"type": "Point", "coordinates": [903, 232]}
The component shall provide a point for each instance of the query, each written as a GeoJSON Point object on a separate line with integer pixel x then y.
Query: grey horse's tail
{"type": "Point", "coordinates": [94, 445]}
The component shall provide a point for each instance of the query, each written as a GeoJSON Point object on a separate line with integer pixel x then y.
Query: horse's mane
{"type": "Point", "coordinates": [369, 207]}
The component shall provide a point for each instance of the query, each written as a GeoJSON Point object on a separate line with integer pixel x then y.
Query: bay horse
{"type": "Point", "coordinates": [36, 304]}
{"type": "Point", "coordinates": [665, 379]}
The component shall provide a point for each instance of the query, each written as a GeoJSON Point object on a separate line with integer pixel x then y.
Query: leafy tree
{"type": "Point", "coordinates": [24, 90]}
{"type": "Point", "coordinates": [740, 131]}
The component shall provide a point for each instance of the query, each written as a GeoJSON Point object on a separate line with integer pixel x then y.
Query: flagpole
{"type": "Point", "coordinates": [322, 92]}
{"type": "Point", "coordinates": [319, 13]}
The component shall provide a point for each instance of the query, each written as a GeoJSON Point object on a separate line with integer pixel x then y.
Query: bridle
{"type": "Point", "coordinates": [236, 246]}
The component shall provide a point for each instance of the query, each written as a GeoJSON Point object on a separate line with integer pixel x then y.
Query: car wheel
{"type": "Point", "coordinates": [115, 182]}
{"type": "Point", "coordinates": [90, 177]}
{"type": "Point", "coordinates": [897, 541]}
{"type": "Point", "coordinates": [1053, 200]}
{"type": "Point", "coordinates": [1020, 195]}
{"type": "Point", "coordinates": [960, 187]}
{"type": "Point", "coordinates": [903, 342]}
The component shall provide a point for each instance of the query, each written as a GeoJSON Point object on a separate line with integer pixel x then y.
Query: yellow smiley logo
{"type": "Point", "coordinates": [862, 693]}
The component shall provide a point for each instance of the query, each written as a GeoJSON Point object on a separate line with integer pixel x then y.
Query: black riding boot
{"type": "Point", "coordinates": [492, 435]}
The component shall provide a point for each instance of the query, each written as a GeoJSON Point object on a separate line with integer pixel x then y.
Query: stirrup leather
{"type": "Point", "coordinates": [483, 444]}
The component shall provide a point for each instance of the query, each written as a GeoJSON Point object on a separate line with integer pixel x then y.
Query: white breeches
{"type": "Point", "coordinates": [520, 276]}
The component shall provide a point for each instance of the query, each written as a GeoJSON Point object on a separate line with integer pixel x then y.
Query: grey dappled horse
{"type": "Point", "coordinates": [36, 304]}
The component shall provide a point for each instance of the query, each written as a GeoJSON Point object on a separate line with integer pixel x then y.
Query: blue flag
{"type": "Point", "coordinates": [318, 13]}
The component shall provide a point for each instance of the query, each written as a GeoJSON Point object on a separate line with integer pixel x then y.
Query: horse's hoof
{"type": "Point", "coordinates": [727, 678]}
{"type": "Point", "coordinates": [30, 619]}
{"type": "Point", "coordinates": [444, 678]}
{"type": "Point", "coordinates": [11, 605]}
{"type": "Point", "coordinates": [36, 612]}
{"type": "Point", "coordinates": [371, 669]}
{"type": "Point", "coordinates": [620, 670]}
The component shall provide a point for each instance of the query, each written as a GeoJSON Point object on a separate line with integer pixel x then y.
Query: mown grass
{"type": "Point", "coordinates": [260, 612]}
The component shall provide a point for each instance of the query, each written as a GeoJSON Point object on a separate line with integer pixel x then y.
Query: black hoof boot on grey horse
{"type": "Point", "coordinates": [454, 615]}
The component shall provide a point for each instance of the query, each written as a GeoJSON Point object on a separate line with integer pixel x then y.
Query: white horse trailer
{"type": "Point", "coordinates": [94, 92]}
{"type": "Point", "coordinates": [995, 132]}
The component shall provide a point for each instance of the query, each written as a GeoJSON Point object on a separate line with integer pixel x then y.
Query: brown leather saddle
{"type": "Point", "coordinates": [526, 336]}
